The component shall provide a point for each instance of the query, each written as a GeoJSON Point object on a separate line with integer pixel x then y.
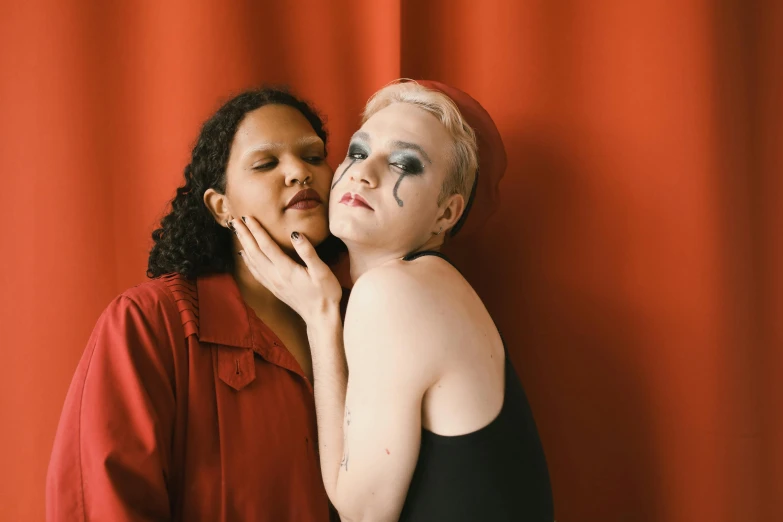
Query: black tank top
{"type": "Point", "coordinates": [497, 473]}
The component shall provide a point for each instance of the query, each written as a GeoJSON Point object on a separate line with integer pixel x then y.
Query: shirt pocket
{"type": "Point", "coordinates": [236, 366]}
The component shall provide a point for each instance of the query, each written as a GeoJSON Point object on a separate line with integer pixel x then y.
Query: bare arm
{"type": "Point", "coordinates": [325, 335]}
{"type": "Point", "coordinates": [369, 421]}
{"type": "Point", "coordinates": [390, 370]}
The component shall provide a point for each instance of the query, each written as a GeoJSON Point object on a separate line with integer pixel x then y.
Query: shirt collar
{"type": "Point", "coordinates": [224, 318]}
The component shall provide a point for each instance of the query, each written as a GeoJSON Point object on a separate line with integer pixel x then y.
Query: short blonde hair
{"type": "Point", "coordinates": [464, 157]}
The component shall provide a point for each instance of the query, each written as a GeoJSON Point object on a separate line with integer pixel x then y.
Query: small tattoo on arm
{"type": "Point", "coordinates": [344, 462]}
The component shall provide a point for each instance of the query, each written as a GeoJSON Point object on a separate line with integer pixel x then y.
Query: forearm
{"type": "Point", "coordinates": [331, 376]}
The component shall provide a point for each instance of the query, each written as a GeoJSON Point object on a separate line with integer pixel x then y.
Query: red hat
{"type": "Point", "coordinates": [484, 198]}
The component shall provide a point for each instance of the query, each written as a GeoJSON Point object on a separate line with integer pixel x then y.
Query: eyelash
{"type": "Point", "coordinates": [313, 160]}
{"type": "Point", "coordinates": [360, 155]}
{"type": "Point", "coordinates": [266, 166]}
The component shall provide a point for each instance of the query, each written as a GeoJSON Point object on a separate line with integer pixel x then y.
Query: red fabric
{"type": "Point", "coordinates": [185, 406]}
{"type": "Point", "coordinates": [635, 265]}
{"type": "Point", "coordinates": [492, 158]}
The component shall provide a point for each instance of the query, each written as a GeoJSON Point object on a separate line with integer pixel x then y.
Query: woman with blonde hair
{"type": "Point", "coordinates": [421, 415]}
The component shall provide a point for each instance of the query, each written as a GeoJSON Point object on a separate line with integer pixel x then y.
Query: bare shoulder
{"type": "Point", "coordinates": [410, 304]}
{"type": "Point", "coordinates": [403, 284]}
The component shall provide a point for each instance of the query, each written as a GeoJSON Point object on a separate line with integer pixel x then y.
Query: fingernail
{"type": "Point", "coordinates": [231, 226]}
{"type": "Point", "coordinates": [239, 254]}
{"type": "Point", "coordinates": [295, 236]}
{"type": "Point", "coordinates": [244, 219]}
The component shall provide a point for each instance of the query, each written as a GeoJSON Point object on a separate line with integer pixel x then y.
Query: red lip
{"type": "Point", "coordinates": [354, 200]}
{"type": "Point", "coordinates": [307, 198]}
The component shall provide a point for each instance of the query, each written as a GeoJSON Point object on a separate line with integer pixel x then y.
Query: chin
{"type": "Point", "coordinates": [342, 229]}
{"type": "Point", "coordinates": [353, 233]}
{"type": "Point", "coordinates": [314, 227]}
{"type": "Point", "coordinates": [316, 234]}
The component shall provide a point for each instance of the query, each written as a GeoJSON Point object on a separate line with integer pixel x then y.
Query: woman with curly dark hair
{"type": "Point", "coordinates": [194, 399]}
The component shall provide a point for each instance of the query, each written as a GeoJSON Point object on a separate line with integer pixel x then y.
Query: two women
{"type": "Point", "coordinates": [194, 399]}
{"type": "Point", "coordinates": [420, 413]}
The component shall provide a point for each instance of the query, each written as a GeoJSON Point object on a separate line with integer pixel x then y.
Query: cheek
{"type": "Point", "coordinates": [255, 197]}
{"type": "Point", "coordinates": [336, 173]}
{"type": "Point", "coordinates": [420, 206]}
{"type": "Point", "coordinates": [323, 176]}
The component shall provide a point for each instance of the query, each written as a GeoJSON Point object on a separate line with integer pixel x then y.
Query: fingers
{"type": "Point", "coordinates": [265, 243]}
{"type": "Point", "coordinates": [251, 252]}
{"type": "Point", "coordinates": [307, 253]}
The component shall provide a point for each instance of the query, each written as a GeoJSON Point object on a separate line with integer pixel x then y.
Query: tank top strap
{"type": "Point", "coordinates": [422, 253]}
{"type": "Point", "coordinates": [415, 255]}
{"type": "Point", "coordinates": [503, 340]}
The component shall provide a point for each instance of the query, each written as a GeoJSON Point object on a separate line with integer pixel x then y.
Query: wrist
{"type": "Point", "coordinates": [326, 316]}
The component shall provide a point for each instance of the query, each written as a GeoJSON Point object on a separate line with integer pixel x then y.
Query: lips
{"type": "Point", "coordinates": [304, 199]}
{"type": "Point", "coordinates": [354, 200]}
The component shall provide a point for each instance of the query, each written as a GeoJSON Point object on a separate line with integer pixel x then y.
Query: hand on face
{"type": "Point", "coordinates": [309, 290]}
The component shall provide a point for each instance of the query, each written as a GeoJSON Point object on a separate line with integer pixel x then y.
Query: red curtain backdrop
{"type": "Point", "coordinates": [635, 266]}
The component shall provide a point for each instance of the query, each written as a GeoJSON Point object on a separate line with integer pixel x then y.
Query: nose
{"type": "Point", "coordinates": [364, 173]}
{"type": "Point", "coordinates": [297, 173]}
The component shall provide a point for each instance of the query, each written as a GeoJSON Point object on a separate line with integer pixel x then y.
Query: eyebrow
{"type": "Point", "coordinates": [405, 145]}
{"type": "Point", "coordinates": [304, 141]}
{"type": "Point", "coordinates": [360, 135]}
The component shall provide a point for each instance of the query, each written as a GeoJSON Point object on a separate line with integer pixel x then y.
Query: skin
{"type": "Point", "coordinates": [274, 150]}
{"type": "Point", "coordinates": [421, 348]}
{"type": "Point", "coordinates": [374, 168]}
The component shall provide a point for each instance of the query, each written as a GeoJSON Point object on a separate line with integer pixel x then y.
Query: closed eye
{"type": "Point", "coordinates": [269, 165]}
{"type": "Point", "coordinates": [315, 160]}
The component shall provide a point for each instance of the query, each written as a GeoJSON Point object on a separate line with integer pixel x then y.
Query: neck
{"type": "Point", "coordinates": [364, 258]}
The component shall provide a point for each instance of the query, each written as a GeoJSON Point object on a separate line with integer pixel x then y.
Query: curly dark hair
{"type": "Point", "coordinates": [189, 241]}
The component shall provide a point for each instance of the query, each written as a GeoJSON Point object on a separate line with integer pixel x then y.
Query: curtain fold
{"type": "Point", "coordinates": [635, 266]}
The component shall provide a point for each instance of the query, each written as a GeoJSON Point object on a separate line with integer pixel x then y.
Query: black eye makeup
{"type": "Point", "coordinates": [406, 162]}
{"type": "Point", "coordinates": [404, 159]}
{"type": "Point", "coordinates": [358, 150]}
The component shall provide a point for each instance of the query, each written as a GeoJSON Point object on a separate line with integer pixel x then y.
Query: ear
{"type": "Point", "coordinates": [450, 212]}
{"type": "Point", "coordinates": [218, 206]}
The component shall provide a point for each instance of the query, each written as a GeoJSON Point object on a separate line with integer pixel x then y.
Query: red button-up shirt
{"type": "Point", "coordinates": [185, 406]}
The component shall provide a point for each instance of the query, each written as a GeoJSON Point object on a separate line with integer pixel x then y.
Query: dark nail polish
{"type": "Point", "coordinates": [295, 236]}
{"type": "Point", "coordinates": [231, 226]}
{"type": "Point", "coordinates": [239, 254]}
{"type": "Point", "coordinates": [244, 220]}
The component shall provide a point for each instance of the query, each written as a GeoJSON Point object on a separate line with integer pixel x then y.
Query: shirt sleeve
{"type": "Point", "coordinates": [112, 452]}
